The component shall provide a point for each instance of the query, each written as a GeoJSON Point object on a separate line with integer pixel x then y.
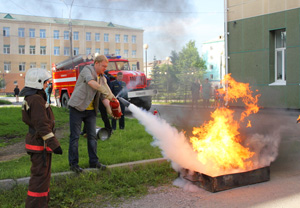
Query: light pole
{"type": "Point", "coordinates": [168, 75]}
{"type": "Point", "coordinates": [70, 27]}
{"type": "Point", "coordinates": [146, 47]}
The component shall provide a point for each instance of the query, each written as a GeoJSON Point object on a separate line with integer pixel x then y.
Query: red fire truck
{"type": "Point", "coordinates": [65, 75]}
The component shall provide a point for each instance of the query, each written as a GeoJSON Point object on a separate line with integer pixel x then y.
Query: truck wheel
{"type": "Point", "coordinates": [64, 100]}
{"type": "Point", "coordinates": [146, 103]}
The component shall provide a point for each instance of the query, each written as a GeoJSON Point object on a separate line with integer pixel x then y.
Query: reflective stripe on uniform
{"type": "Point", "coordinates": [37, 148]}
{"type": "Point", "coordinates": [36, 194]}
{"type": "Point", "coordinates": [48, 136]}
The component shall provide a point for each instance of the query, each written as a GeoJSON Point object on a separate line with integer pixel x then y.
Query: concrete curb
{"type": "Point", "coordinates": [8, 184]}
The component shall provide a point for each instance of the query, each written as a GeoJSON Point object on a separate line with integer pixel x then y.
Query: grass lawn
{"type": "Point", "coordinates": [131, 144]}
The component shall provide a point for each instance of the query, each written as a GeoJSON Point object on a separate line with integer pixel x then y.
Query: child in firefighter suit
{"type": "Point", "coordinates": [40, 139]}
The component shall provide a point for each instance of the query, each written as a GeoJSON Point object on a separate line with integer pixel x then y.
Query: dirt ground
{"type": "Point", "coordinates": [17, 150]}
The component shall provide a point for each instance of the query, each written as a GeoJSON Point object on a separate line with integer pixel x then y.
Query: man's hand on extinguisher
{"type": "Point", "coordinates": [115, 108]}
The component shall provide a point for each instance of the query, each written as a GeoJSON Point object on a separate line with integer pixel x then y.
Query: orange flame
{"type": "Point", "coordinates": [249, 124]}
{"type": "Point", "coordinates": [218, 141]}
{"type": "Point", "coordinates": [298, 120]}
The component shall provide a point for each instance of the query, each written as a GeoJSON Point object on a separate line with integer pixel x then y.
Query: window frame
{"type": "Point", "coordinates": [31, 33]}
{"type": "Point", "coordinates": [22, 66]}
{"type": "Point", "coordinates": [66, 35]}
{"type": "Point", "coordinates": [76, 35]}
{"type": "Point", "coordinates": [106, 37]}
{"type": "Point", "coordinates": [21, 32]}
{"type": "Point", "coordinates": [125, 38]}
{"type": "Point", "coordinates": [75, 51]}
{"type": "Point", "coordinates": [56, 34]}
{"type": "Point", "coordinates": [32, 50]}
{"type": "Point", "coordinates": [43, 33]}
{"type": "Point", "coordinates": [133, 39]}
{"type": "Point", "coordinates": [56, 51]}
{"type": "Point", "coordinates": [21, 49]}
{"type": "Point", "coordinates": [66, 51]}
{"type": "Point", "coordinates": [117, 38]}
{"type": "Point", "coordinates": [7, 66]}
{"type": "Point", "coordinates": [97, 37]}
{"type": "Point", "coordinates": [88, 36]}
{"type": "Point", "coordinates": [6, 31]}
{"type": "Point", "coordinates": [283, 58]}
{"type": "Point", "coordinates": [6, 49]}
{"type": "Point", "coordinates": [43, 50]}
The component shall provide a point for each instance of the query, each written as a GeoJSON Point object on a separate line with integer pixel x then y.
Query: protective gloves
{"type": "Point", "coordinates": [58, 151]}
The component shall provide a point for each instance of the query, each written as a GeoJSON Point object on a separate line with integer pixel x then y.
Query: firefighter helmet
{"type": "Point", "coordinates": [35, 78]}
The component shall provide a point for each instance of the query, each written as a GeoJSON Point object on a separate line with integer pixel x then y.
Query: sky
{"type": "Point", "coordinates": [168, 24]}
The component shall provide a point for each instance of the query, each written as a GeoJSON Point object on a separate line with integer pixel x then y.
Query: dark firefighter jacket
{"type": "Point", "coordinates": [119, 88]}
{"type": "Point", "coordinates": [38, 115]}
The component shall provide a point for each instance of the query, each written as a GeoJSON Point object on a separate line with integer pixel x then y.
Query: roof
{"type": "Point", "coordinates": [55, 20]}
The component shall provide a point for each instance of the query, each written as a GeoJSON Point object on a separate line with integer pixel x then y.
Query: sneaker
{"type": "Point", "coordinates": [98, 166]}
{"type": "Point", "coordinates": [76, 169]}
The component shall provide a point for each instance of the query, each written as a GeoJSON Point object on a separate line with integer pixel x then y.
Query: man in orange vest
{"type": "Point", "coordinates": [40, 140]}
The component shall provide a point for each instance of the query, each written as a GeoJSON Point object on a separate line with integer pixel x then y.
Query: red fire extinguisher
{"type": "Point", "coordinates": [115, 108]}
{"type": "Point", "coordinates": [156, 112]}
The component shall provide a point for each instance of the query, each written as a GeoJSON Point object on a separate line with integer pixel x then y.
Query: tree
{"type": "Point", "coordinates": [2, 83]}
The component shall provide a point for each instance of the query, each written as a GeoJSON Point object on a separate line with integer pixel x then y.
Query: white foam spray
{"type": "Point", "coordinates": [174, 145]}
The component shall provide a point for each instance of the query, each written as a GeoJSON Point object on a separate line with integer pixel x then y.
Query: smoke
{"type": "Point", "coordinates": [176, 147]}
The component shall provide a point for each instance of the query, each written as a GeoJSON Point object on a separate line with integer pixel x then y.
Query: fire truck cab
{"type": "Point", "coordinates": [65, 75]}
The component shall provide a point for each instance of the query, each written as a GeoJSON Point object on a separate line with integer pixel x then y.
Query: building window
{"type": "Point", "coordinates": [117, 38]}
{"type": "Point", "coordinates": [66, 35]}
{"type": "Point", "coordinates": [106, 37]}
{"type": "Point", "coordinates": [134, 68]}
{"type": "Point", "coordinates": [75, 35]}
{"type": "Point", "coordinates": [22, 66]}
{"type": "Point", "coordinates": [42, 33]}
{"type": "Point", "coordinates": [32, 50]}
{"type": "Point", "coordinates": [21, 32]}
{"type": "Point", "coordinates": [97, 50]}
{"type": "Point", "coordinates": [97, 37]}
{"type": "Point", "coordinates": [7, 66]}
{"type": "Point", "coordinates": [88, 36]}
{"type": "Point", "coordinates": [44, 65]}
{"type": "Point", "coordinates": [133, 53]}
{"type": "Point", "coordinates": [133, 40]}
{"type": "Point", "coordinates": [211, 77]}
{"type": "Point", "coordinates": [118, 52]}
{"type": "Point", "coordinates": [43, 50]}
{"type": "Point", "coordinates": [56, 51]}
{"type": "Point", "coordinates": [126, 53]}
{"type": "Point", "coordinates": [106, 51]}
{"type": "Point", "coordinates": [76, 51]}
{"type": "Point", "coordinates": [280, 55]}
{"type": "Point", "coordinates": [32, 65]}
{"type": "Point", "coordinates": [6, 31]}
{"type": "Point", "coordinates": [88, 51]}
{"type": "Point", "coordinates": [211, 67]}
{"type": "Point", "coordinates": [32, 33]}
{"type": "Point", "coordinates": [6, 49]}
{"type": "Point", "coordinates": [21, 49]}
{"type": "Point", "coordinates": [66, 51]}
{"type": "Point", "coordinates": [56, 34]}
{"type": "Point", "coordinates": [125, 38]}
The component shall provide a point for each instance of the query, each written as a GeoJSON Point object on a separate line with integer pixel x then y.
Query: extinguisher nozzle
{"type": "Point", "coordinates": [125, 102]}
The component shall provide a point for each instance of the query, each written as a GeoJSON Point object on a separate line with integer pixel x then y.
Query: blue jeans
{"type": "Point", "coordinates": [76, 119]}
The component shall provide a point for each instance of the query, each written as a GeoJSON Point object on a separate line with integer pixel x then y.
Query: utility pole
{"type": "Point", "coordinates": [70, 28]}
